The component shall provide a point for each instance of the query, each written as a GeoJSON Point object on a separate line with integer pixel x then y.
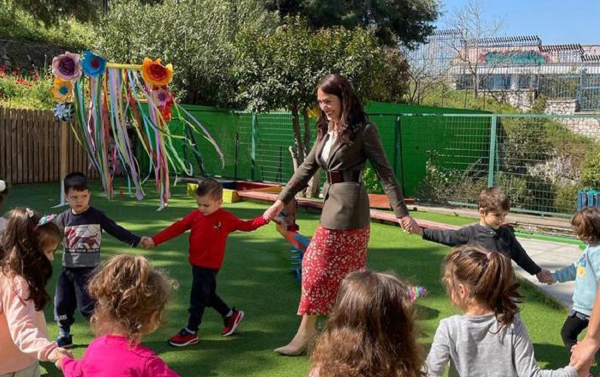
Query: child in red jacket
{"type": "Point", "coordinates": [210, 225]}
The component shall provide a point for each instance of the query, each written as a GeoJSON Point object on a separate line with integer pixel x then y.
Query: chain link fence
{"type": "Point", "coordinates": [541, 161]}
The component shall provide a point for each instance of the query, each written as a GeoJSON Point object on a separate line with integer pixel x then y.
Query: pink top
{"type": "Point", "coordinates": [114, 355]}
{"type": "Point", "coordinates": [23, 332]}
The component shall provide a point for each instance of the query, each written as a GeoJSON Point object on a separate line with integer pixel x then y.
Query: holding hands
{"type": "Point", "coordinates": [58, 354]}
{"type": "Point", "coordinates": [409, 225]}
{"type": "Point", "coordinates": [147, 243]}
{"type": "Point", "coordinates": [273, 210]}
{"type": "Point", "coordinates": [545, 276]}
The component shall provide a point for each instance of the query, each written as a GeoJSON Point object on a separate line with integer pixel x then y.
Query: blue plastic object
{"type": "Point", "coordinates": [588, 198]}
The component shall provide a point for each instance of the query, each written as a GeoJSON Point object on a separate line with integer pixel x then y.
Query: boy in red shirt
{"type": "Point", "coordinates": [210, 225]}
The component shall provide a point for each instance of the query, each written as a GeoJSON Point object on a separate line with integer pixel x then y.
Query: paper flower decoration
{"type": "Point", "coordinates": [155, 73]}
{"type": "Point", "coordinates": [62, 90]}
{"type": "Point", "coordinates": [416, 292]}
{"type": "Point", "coordinates": [63, 111]}
{"type": "Point", "coordinates": [66, 66]}
{"type": "Point", "coordinates": [92, 64]}
{"type": "Point", "coordinates": [164, 102]}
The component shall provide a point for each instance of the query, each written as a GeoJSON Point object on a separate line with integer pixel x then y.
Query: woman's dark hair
{"type": "Point", "coordinates": [22, 252]}
{"type": "Point", "coordinates": [489, 278]}
{"type": "Point", "coordinates": [371, 331]}
{"type": "Point", "coordinates": [352, 114]}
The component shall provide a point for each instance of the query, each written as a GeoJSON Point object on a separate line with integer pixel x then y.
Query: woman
{"type": "Point", "coordinates": [345, 140]}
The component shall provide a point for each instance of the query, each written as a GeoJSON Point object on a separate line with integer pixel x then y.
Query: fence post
{"type": "Point", "coordinates": [237, 147]}
{"type": "Point", "coordinates": [398, 152]}
{"type": "Point", "coordinates": [492, 155]}
{"type": "Point", "coordinates": [254, 141]}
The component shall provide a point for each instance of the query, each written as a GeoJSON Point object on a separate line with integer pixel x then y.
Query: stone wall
{"type": "Point", "coordinates": [561, 106]}
{"type": "Point", "coordinates": [27, 55]}
{"type": "Point", "coordinates": [589, 127]}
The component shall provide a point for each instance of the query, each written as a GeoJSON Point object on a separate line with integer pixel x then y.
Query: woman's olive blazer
{"type": "Point", "coordinates": [346, 204]}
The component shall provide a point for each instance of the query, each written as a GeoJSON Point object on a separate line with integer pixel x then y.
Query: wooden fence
{"type": "Point", "coordinates": [30, 147]}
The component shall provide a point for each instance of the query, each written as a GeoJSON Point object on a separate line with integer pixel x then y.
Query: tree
{"type": "Point", "coordinates": [394, 21]}
{"type": "Point", "coordinates": [429, 65]}
{"type": "Point", "coordinates": [281, 69]}
{"type": "Point", "coordinates": [472, 30]}
{"type": "Point", "coordinates": [195, 35]}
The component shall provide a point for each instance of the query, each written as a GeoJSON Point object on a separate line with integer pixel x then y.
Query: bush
{"type": "Point", "coordinates": [372, 182]}
{"type": "Point", "coordinates": [590, 176]}
{"type": "Point", "coordinates": [24, 93]}
{"type": "Point", "coordinates": [20, 25]}
{"type": "Point", "coordinates": [566, 198]}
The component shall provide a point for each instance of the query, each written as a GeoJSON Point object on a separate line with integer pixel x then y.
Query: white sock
{"type": "Point", "coordinates": [229, 314]}
{"type": "Point", "coordinates": [190, 331]}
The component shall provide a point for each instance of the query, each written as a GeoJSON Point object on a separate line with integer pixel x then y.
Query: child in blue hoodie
{"type": "Point", "coordinates": [586, 273]}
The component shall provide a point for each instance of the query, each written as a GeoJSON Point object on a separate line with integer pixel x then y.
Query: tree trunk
{"type": "Point", "coordinates": [314, 185]}
{"type": "Point", "coordinates": [298, 152]}
{"type": "Point", "coordinates": [297, 135]}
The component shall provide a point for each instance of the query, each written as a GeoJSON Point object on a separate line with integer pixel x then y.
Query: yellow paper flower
{"type": "Point", "coordinates": [62, 90]}
{"type": "Point", "coordinates": [155, 73]}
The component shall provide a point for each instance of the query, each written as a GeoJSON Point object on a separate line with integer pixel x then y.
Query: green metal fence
{"type": "Point", "coordinates": [541, 161]}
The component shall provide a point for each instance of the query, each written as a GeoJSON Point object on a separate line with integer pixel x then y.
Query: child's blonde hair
{"type": "Point", "coordinates": [129, 293]}
{"type": "Point", "coordinates": [586, 224]}
{"type": "Point", "coordinates": [488, 277]}
{"type": "Point", "coordinates": [371, 331]}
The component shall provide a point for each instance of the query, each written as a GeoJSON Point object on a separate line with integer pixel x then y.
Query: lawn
{"type": "Point", "coordinates": [256, 278]}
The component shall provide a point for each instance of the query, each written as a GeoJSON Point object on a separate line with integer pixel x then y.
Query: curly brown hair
{"type": "Point", "coordinates": [22, 252]}
{"type": "Point", "coordinates": [353, 114]}
{"type": "Point", "coordinates": [489, 277]}
{"type": "Point", "coordinates": [371, 331]}
{"type": "Point", "coordinates": [129, 295]}
{"type": "Point", "coordinates": [586, 225]}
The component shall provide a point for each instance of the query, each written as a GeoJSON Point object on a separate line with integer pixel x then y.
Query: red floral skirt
{"type": "Point", "coordinates": [331, 255]}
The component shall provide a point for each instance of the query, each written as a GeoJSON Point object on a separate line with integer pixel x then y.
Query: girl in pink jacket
{"type": "Point", "coordinates": [28, 247]}
{"type": "Point", "coordinates": [130, 297]}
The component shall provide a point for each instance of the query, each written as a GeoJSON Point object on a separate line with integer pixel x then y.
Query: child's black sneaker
{"type": "Point", "coordinates": [232, 322]}
{"type": "Point", "coordinates": [183, 338]}
{"type": "Point", "coordinates": [64, 341]}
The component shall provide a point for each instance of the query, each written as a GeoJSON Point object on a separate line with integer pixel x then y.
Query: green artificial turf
{"type": "Point", "coordinates": [256, 278]}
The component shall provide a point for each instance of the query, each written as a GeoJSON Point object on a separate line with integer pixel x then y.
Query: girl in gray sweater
{"type": "Point", "coordinates": [489, 339]}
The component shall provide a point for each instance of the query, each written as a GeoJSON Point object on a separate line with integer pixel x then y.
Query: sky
{"type": "Point", "coordinates": [554, 21]}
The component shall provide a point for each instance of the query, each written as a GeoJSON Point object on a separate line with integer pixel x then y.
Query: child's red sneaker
{"type": "Point", "coordinates": [183, 338]}
{"type": "Point", "coordinates": [232, 322]}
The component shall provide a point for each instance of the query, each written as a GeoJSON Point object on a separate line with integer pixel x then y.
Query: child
{"type": "Point", "coordinates": [3, 193]}
{"type": "Point", "coordinates": [489, 339]}
{"type": "Point", "coordinates": [371, 330]}
{"type": "Point", "coordinates": [25, 256]}
{"type": "Point", "coordinates": [585, 272]}
{"type": "Point", "coordinates": [83, 226]}
{"type": "Point", "coordinates": [130, 297]}
{"type": "Point", "coordinates": [491, 233]}
{"type": "Point", "coordinates": [210, 225]}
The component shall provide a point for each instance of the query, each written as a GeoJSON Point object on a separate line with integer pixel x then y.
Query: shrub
{"type": "Point", "coordinates": [372, 182]}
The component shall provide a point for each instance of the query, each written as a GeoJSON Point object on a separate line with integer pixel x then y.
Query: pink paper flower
{"type": "Point", "coordinates": [66, 66]}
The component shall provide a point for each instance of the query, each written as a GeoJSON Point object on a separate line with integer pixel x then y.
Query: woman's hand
{"type": "Point", "coordinates": [582, 355]}
{"type": "Point", "coordinates": [409, 224]}
{"type": "Point", "coordinates": [273, 210]}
